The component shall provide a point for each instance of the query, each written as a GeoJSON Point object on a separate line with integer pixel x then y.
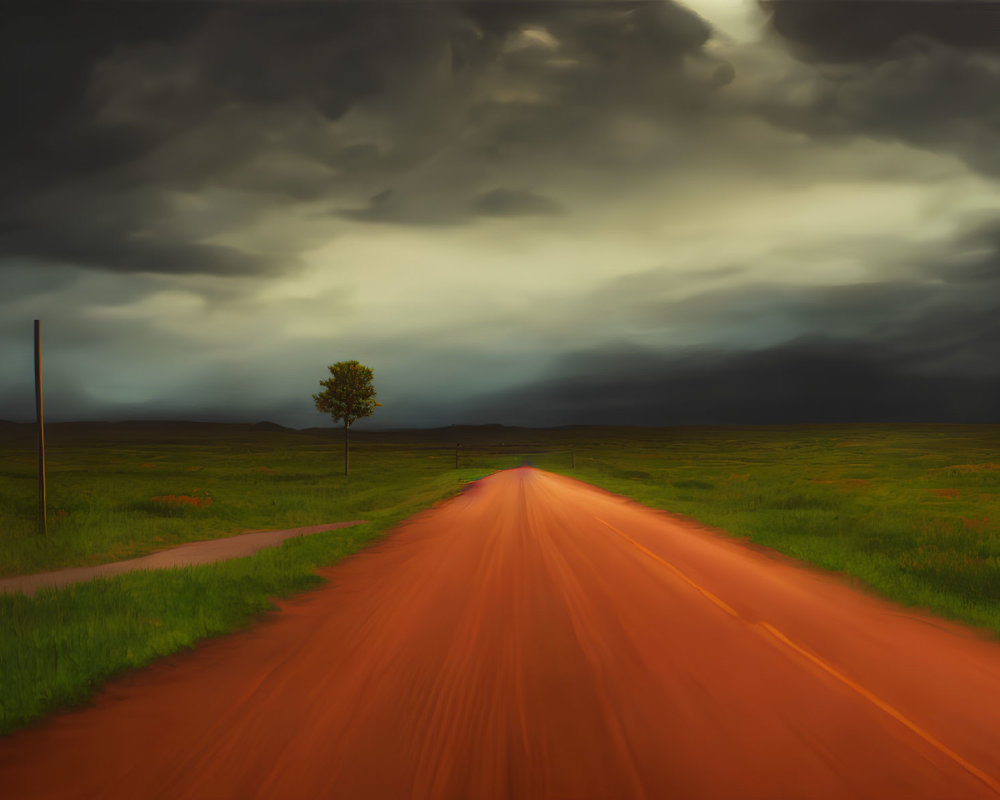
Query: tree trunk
{"type": "Point", "coordinates": [347, 439]}
{"type": "Point", "coordinates": [39, 412]}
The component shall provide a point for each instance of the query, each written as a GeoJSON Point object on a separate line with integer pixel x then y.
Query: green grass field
{"type": "Point", "coordinates": [103, 483]}
{"type": "Point", "coordinates": [911, 511]}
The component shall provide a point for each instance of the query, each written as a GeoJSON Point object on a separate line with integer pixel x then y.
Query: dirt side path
{"type": "Point", "coordinates": [539, 638]}
{"type": "Point", "coordinates": [184, 555]}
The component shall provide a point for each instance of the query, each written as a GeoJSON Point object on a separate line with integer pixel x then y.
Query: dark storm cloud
{"type": "Point", "coordinates": [121, 252]}
{"type": "Point", "coordinates": [529, 84]}
{"type": "Point", "coordinates": [46, 56]}
{"type": "Point", "coordinates": [849, 30]}
{"type": "Point", "coordinates": [58, 69]}
{"type": "Point", "coordinates": [116, 109]}
{"type": "Point", "coordinates": [923, 348]}
{"type": "Point", "coordinates": [406, 208]}
{"type": "Point", "coordinates": [513, 203]}
{"type": "Point", "coordinates": [391, 207]}
{"type": "Point", "coordinates": [120, 229]}
{"type": "Point", "coordinates": [810, 380]}
{"type": "Point", "coordinates": [926, 72]}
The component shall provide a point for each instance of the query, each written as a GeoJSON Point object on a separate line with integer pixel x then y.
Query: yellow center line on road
{"type": "Point", "coordinates": [778, 636]}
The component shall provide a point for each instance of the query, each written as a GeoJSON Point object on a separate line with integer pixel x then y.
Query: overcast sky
{"type": "Point", "coordinates": [535, 213]}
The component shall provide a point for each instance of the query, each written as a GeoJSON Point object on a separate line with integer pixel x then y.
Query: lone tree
{"type": "Point", "coordinates": [348, 395]}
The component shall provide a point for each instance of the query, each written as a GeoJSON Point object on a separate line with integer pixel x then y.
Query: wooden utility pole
{"type": "Point", "coordinates": [41, 428]}
{"type": "Point", "coordinates": [457, 445]}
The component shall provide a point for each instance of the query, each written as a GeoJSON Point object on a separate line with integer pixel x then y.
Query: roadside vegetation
{"type": "Point", "coordinates": [909, 511]}
{"type": "Point", "coordinates": [58, 647]}
{"type": "Point", "coordinates": [143, 491]}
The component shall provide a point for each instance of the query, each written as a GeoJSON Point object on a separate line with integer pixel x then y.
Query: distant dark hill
{"type": "Point", "coordinates": [270, 426]}
{"type": "Point", "coordinates": [148, 431]}
{"type": "Point", "coordinates": [494, 438]}
{"type": "Point", "coordinates": [181, 432]}
{"type": "Point", "coordinates": [463, 435]}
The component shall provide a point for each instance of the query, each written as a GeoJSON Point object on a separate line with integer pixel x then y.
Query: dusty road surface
{"type": "Point", "coordinates": [184, 555]}
{"type": "Point", "coordinates": [538, 638]}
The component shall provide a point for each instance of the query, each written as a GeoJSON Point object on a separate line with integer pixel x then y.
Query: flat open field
{"type": "Point", "coordinates": [911, 511]}
{"type": "Point", "coordinates": [123, 490]}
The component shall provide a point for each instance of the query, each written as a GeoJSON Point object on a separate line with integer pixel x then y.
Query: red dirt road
{"type": "Point", "coordinates": [536, 637]}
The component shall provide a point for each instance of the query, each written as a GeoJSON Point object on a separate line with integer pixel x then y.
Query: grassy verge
{"type": "Point", "coordinates": [123, 499]}
{"type": "Point", "coordinates": [912, 512]}
{"type": "Point", "coordinates": [59, 647]}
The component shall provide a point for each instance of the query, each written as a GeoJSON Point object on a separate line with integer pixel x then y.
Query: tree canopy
{"type": "Point", "coordinates": [348, 394]}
